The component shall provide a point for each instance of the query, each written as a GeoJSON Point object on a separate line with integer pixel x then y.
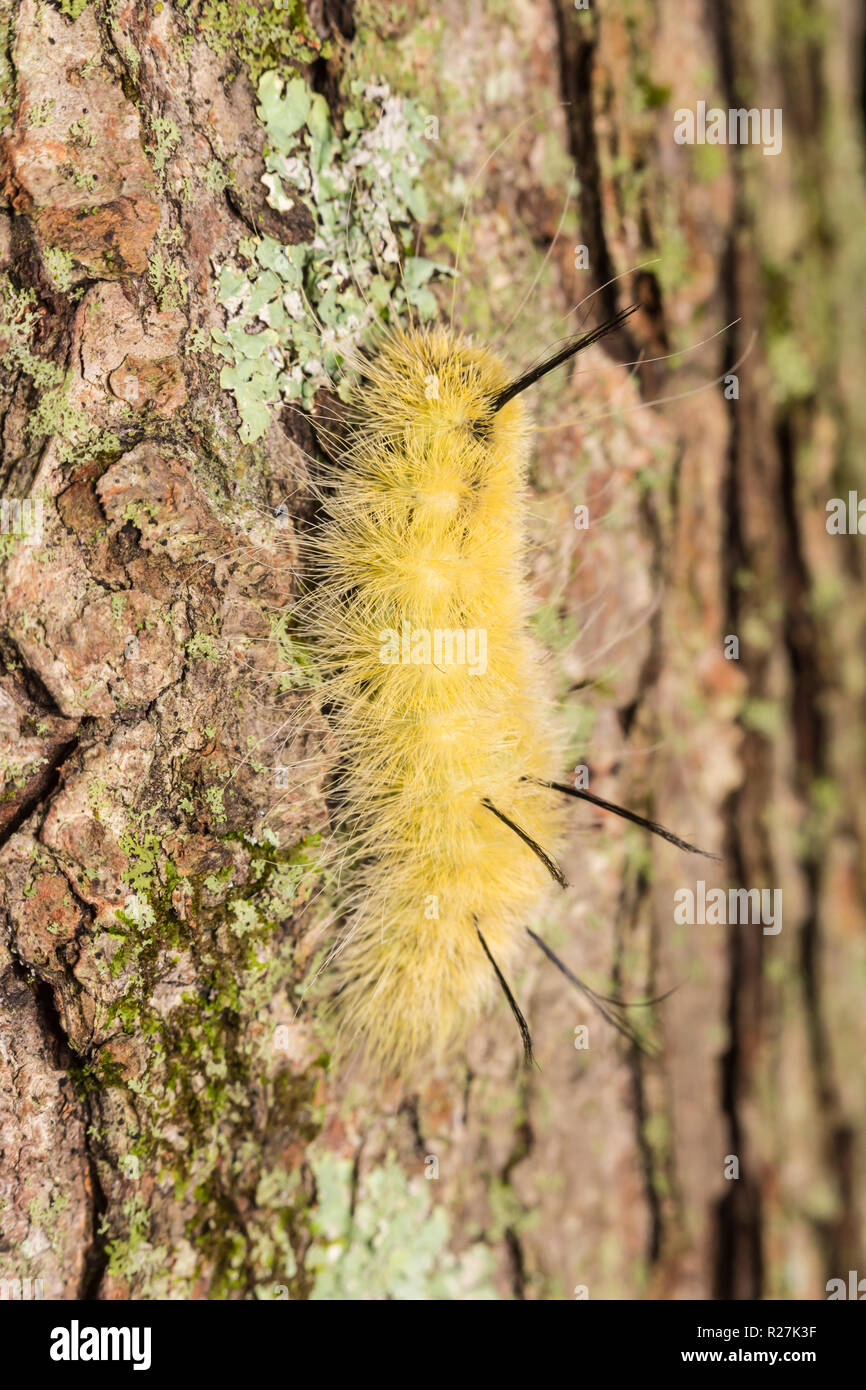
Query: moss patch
{"type": "Point", "coordinates": [263, 34]}
{"type": "Point", "coordinates": [208, 1081]}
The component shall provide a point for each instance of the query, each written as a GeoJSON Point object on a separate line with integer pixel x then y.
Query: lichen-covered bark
{"type": "Point", "coordinates": [170, 1122]}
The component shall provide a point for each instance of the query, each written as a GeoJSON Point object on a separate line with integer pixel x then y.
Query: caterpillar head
{"type": "Point", "coordinates": [439, 382]}
{"type": "Point", "coordinates": [425, 382]}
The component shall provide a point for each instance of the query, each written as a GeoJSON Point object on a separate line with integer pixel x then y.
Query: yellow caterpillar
{"type": "Point", "coordinates": [449, 820]}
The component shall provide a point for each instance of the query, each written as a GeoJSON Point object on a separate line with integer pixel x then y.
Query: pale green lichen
{"type": "Point", "coordinates": [295, 665]}
{"type": "Point", "coordinates": [215, 801]}
{"type": "Point", "coordinates": [40, 114]}
{"type": "Point", "coordinates": [166, 138]}
{"type": "Point", "coordinates": [131, 1255]}
{"type": "Point", "coordinates": [84, 180]}
{"type": "Point", "coordinates": [80, 133]}
{"type": "Point", "coordinates": [60, 266]}
{"type": "Point", "coordinates": [54, 414]}
{"type": "Point", "coordinates": [201, 644]}
{"type": "Point", "coordinates": [45, 1215]}
{"type": "Point", "coordinates": [166, 271]}
{"type": "Point", "coordinates": [132, 58]}
{"type": "Point", "coordinates": [387, 1240]}
{"type": "Point", "coordinates": [215, 177]}
{"type": "Point", "coordinates": [7, 72]}
{"type": "Point", "coordinates": [118, 603]}
{"type": "Point", "coordinates": [14, 774]}
{"type": "Point", "coordinates": [296, 312]}
{"type": "Point", "coordinates": [19, 319]}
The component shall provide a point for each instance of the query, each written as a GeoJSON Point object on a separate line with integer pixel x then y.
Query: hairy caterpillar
{"type": "Point", "coordinates": [450, 813]}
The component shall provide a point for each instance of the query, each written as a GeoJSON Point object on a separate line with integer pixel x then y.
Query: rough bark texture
{"type": "Point", "coordinates": [170, 1124]}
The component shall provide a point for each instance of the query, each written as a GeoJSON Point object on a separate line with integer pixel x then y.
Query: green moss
{"type": "Point", "coordinates": [263, 34]}
{"type": "Point", "coordinates": [709, 162]}
{"type": "Point", "coordinates": [207, 1074]}
{"type": "Point", "coordinates": [764, 716]}
{"type": "Point", "coordinates": [507, 1211]}
{"type": "Point", "coordinates": [91, 1078]}
{"type": "Point", "coordinates": [552, 628]}
{"type": "Point", "coordinates": [651, 94]}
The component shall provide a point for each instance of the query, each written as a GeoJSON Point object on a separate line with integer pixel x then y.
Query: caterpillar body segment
{"type": "Point", "coordinates": [438, 694]}
{"type": "Point", "coordinates": [449, 821]}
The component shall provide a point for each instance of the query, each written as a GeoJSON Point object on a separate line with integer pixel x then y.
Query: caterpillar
{"type": "Point", "coordinates": [449, 811]}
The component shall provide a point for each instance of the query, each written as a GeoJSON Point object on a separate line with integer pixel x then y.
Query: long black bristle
{"type": "Point", "coordinates": [550, 865]}
{"type": "Point", "coordinates": [525, 1034]}
{"type": "Point", "coordinates": [583, 340]}
{"type": "Point", "coordinates": [595, 999]}
{"type": "Point", "coordinates": [626, 815]}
